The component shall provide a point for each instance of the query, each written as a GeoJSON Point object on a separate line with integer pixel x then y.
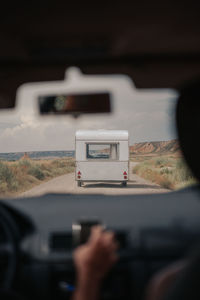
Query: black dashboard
{"type": "Point", "coordinates": [152, 230]}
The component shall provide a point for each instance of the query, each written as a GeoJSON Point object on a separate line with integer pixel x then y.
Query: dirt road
{"type": "Point", "coordinates": [67, 184]}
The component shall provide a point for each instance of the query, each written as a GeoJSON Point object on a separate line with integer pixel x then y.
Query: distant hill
{"type": "Point", "coordinates": [36, 155]}
{"type": "Point", "coordinates": [144, 148]}
{"type": "Point", "coordinates": [163, 147]}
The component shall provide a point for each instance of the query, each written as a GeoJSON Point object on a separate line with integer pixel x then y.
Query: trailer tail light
{"type": "Point", "coordinates": [125, 175]}
{"type": "Point", "coordinates": [79, 174]}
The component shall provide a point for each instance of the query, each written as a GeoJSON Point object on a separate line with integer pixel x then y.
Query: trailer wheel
{"type": "Point", "coordinates": [124, 183]}
{"type": "Point", "coordinates": [79, 183]}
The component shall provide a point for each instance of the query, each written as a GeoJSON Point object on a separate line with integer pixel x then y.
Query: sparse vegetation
{"type": "Point", "coordinates": [167, 171]}
{"type": "Point", "coordinates": [21, 175]}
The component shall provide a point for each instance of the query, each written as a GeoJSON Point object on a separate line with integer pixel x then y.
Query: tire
{"type": "Point", "coordinates": [124, 183]}
{"type": "Point", "coordinates": [79, 183]}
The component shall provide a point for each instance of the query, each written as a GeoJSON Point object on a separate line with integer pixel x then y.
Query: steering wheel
{"type": "Point", "coordinates": [8, 249]}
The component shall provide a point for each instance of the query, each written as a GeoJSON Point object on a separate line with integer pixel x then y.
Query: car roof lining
{"type": "Point", "coordinates": [156, 44]}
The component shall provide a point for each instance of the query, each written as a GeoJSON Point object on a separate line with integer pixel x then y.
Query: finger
{"type": "Point", "coordinates": [95, 233]}
{"type": "Point", "coordinates": [108, 239]}
{"type": "Point", "coordinates": [96, 228]}
{"type": "Point", "coordinates": [106, 250]}
{"type": "Point", "coordinates": [109, 234]}
{"type": "Point", "coordinates": [101, 242]}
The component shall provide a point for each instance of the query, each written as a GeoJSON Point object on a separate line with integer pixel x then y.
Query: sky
{"type": "Point", "coordinates": [148, 115]}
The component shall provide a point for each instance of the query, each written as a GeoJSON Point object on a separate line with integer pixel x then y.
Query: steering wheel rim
{"type": "Point", "coordinates": [8, 249]}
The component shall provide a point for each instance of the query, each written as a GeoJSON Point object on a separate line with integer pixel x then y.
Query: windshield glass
{"type": "Point", "coordinates": [130, 151]}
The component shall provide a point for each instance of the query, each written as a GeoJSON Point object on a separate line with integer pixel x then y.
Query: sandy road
{"type": "Point", "coordinates": [67, 184]}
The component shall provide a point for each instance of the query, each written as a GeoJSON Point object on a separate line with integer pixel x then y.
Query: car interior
{"type": "Point", "coordinates": [51, 50]}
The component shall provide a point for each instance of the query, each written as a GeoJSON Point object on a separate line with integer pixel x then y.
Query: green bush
{"type": "Point", "coordinates": [58, 163]}
{"type": "Point", "coordinates": [180, 164]}
{"type": "Point", "coordinates": [166, 171]}
{"type": "Point", "coordinates": [3, 187]}
{"type": "Point", "coordinates": [24, 163]}
{"type": "Point", "coordinates": [14, 185]}
{"type": "Point", "coordinates": [36, 172]}
{"type": "Point", "coordinates": [182, 172]}
{"type": "Point", "coordinates": [6, 174]}
{"type": "Point", "coordinates": [46, 173]}
{"type": "Point", "coordinates": [158, 161]}
{"type": "Point", "coordinates": [70, 163]}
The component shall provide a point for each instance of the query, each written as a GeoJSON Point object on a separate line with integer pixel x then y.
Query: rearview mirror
{"type": "Point", "coordinates": [76, 95]}
{"type": "Point", "coordinates": [75, 103]}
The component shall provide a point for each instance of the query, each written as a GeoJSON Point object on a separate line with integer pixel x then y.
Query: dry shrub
{"type": "Point", "coordinates": [165, 183]}
{"type": "Point", "coordinates": [3, 187]}
{"type": "Point", "coordinates": [23, 174]}
{"type": "Point", "coordinates": [168, 172]}
{"type": "Point", "coordinates": [8, 180]}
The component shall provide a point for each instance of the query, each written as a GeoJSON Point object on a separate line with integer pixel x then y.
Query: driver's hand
{"type": "Point", "coordinates": [95, 258]}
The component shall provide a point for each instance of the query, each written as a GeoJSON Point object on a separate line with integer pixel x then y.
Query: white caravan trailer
{"type": "Point", "coordinates": [102, 155]}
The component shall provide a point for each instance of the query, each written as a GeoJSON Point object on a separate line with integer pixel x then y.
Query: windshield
{"type": "Point", "coordinates": [133, 150]}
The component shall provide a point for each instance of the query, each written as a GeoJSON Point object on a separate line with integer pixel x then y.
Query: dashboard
{"type": "Point", "coordinates": [152, 231]}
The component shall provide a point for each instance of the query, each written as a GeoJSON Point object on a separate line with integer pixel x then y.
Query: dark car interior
{"type": "Point", "coordinates": [157, 45]}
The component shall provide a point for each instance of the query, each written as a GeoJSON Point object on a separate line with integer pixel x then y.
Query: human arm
{"type": "Point", "coordinates": [93, 260]}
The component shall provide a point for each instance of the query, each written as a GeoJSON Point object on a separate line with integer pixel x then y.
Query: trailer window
{"type": "Point", "coordinates": [102, 151]}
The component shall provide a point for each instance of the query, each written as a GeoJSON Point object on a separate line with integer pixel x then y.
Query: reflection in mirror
{"type": "Point", "coordinates": [75, 104]}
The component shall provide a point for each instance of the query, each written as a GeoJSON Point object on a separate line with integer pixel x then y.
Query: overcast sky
{"type": "Point", "coordinates": [147, 115]}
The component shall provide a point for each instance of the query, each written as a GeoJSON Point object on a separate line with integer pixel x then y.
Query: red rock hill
{"type": "Point", "coordinates": [163, 147]}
